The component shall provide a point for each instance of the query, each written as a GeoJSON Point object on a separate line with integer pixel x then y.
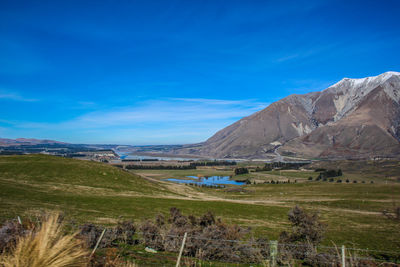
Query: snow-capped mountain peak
{"type": "Point", "coordinates": [349, 92]}
{"type": "Point", "coordinates": [358, 82]}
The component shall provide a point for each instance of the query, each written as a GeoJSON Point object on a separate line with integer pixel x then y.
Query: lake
{"type": "Point", "coordinates": [209, 181]}
{"type": "Point", "coordinates": [130, 155]}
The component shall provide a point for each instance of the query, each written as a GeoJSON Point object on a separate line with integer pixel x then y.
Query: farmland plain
{"type": "Point", "coordinates": [88, 191]}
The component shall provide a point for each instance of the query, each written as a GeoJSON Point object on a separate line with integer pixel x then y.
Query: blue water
{"type": "Point", "coordinates": [210, 181]}
{"type": "Point", "coordinates": [130, 155]}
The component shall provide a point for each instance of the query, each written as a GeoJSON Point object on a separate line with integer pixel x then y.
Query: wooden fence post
{"type": "Point", "coordinates": [181, 251]}
{"type": "Point", "coordinates": [273, 251]}
{"type": "Point", "coordinates": [98, 242]}
{"type": "Point", "coordinates": [343, 256]}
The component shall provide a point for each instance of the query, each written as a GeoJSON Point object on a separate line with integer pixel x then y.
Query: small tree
{"type": "Point", "coordinates": [239, 171]}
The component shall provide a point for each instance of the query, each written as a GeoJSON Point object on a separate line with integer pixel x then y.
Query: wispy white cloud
{"type": "Point", "coordinates": [303, 53]}
{"type": "Point", "coordinates": [246, 102]}
{"type": "Point", "coordinates": [156, 121]}
{"type": "Point", "coordinates": [14, 96]}
{"type": "Point", "coordinates": [309, 85]}
{"type": "Point", "coordinates": [161, 111]}
{"type": "Point", "coordinates": [6, 122]}
{"type": "Point", "coordinates": [173, 111]}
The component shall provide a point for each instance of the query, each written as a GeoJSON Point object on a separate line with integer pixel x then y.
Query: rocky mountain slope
{"type": "Point", "coordinates": [352, 118]}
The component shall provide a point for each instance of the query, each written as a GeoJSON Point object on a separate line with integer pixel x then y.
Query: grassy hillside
{"type": "Point", "coordinates": [41, 181]}
{"type": "Point", "coordinates": [384, 170]}
{"type": "Point", "coordinates": [48, 170]}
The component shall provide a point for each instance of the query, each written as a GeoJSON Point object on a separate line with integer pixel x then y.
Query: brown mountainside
{"type": "Point", "coordinates": [352, 118]}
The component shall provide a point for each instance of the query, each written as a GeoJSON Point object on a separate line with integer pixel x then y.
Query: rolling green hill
{"type": "Point", "coordinates": [50, 170]}
{"type": "Point", "coordinates": [41, 181]}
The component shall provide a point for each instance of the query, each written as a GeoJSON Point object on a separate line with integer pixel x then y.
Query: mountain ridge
{"type": "Point", "coordinates": [26, 141]}
{"type": "Point", "coordinates": [351, 118]}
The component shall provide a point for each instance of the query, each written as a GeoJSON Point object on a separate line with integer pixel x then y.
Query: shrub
{"type": "Point", "coordinates": [239, 171]}
{"type": "Point", "coordinates": [283, 166]}
{"type": "Point", "coordinates": [110, 259]}
{"type": "Point", "coordinates": [206, 237]}
{"type": "Point", "coordinates": [330, 173]}
{"type": "Point", "coordinates": [213, 163]}
{"type": "Point", "coordinates": [152, 235]}
{"type": "Point", "coordinates": [307, 231]}
{"type": "Point", "coordinates": [122, 233]}
{"type": "Point", "coordinates": [310, 178]}
{"type": "Point", "coordinates": [90, 233]}
{"type": "Point", "coordinates": [10, 232]}
{"type": "Point", "coordinates": [306, 227]}
{"type": "Point", "coordinates": [394, 214]}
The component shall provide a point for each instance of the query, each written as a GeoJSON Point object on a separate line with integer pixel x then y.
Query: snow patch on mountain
{"type": "Point", "coordinates": [301, 130]}
{"type": "Point", "coordinates": [276, 143]}
{"type": "Point", "coordinates": [349, 92]}
{"type": "Point", "coordinates": [392, 88]}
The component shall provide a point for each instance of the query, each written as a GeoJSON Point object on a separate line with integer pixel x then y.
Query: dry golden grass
{"type": "Point", "coordinates": [47, 246]}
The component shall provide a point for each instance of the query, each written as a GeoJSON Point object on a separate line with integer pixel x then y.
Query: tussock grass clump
{"type": "Point", "coordinates": [46, 246]}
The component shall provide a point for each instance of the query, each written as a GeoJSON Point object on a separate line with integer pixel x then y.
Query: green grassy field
{"type": "Point", "coordinates": [378, 170]}
{"type": "Point", "coordinates": [96, 192]}
{"type": "Point", "coordinates": [163, 174]}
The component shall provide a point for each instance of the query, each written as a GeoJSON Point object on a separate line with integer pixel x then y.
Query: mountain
{"type": "Point", "coordinates": [352, 118]}
{"type": "Point", "coordinates": [26, 141]}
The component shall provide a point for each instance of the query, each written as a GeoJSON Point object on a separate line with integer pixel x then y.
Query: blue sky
{"type": "Point", "coordinates": [172, 72]}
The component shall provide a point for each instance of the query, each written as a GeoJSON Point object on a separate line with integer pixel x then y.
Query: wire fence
{"type": "Point", "coordinates": [267, 253]}
{"type": "Point", "coordinates": [214, 251]}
